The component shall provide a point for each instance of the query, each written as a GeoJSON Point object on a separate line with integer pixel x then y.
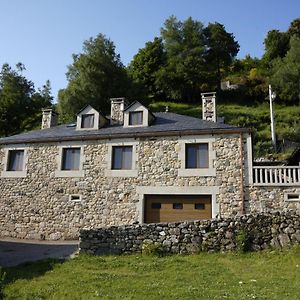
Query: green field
{"type": "Point", "coordinates": [256, 117]}
{"type": "Point", "coordinates": [264, 275]}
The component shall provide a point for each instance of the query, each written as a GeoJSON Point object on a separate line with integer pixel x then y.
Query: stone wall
{"type": "Point", "coordinates": [260, 231]}
{"type": "Point", "coordinates": [39, 207]}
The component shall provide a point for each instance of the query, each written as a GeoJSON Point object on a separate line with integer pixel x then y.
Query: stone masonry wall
{"type": "Point", "coordinates": [39, 207]}
{"type": "Point", "coordinates": [259, 231]}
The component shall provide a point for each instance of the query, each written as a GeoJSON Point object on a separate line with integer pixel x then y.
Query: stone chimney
{"type": "Point", "coordinates": [49, 118]}
{"type": "Point", "coordinates": [209, 106]}
{"type": "Point", "coordinates": [117, 108]}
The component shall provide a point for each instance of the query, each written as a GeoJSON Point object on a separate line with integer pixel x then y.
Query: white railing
{"type": "Point", "coordinates": [276, 175]}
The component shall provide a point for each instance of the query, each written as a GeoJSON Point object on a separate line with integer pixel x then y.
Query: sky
{"type": "Point", "coordinates": [43, 34]}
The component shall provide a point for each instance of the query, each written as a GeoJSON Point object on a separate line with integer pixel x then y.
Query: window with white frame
{"type": "Point", "coordinates": [122, 157]}
{"type": "Point", "coordinates": [135, 118]}
{"type": "Point", "coordinates": [70, 160]}
{"type": "Point", "coordinates": [14, 162]}
{"type": "Point", "coordinates": [87, 121]}
{"type": "Point", "coordinates": [196, 155]}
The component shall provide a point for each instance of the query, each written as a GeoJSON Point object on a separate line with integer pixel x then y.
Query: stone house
{"type": "Point", "coordinates": [133, 167]}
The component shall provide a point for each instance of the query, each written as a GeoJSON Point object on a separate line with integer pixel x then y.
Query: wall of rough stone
{"type": "Point", "coordinates": [261, 231]}
{"type": "Point", "coordinates": [269, 198]}
{"type": "Point", "coordinates": [38, 206]}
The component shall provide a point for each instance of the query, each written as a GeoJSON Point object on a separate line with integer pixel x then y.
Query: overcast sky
{"type": "Point", "coordinates": [43, 34]}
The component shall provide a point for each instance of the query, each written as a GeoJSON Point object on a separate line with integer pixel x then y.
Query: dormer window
{"type": "Point", "coordinates": [135, 118]}
{"type": "Point", "coordinates": [87, 121]}
{"type": "Point", "coordinates": [90, 119]}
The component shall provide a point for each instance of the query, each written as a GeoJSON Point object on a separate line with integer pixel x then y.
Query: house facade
{"type": "Point", "coordinates": [133, 167]}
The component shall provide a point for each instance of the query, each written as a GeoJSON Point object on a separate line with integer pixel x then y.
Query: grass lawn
{"type": "Point", "coordinates": [264, 275]}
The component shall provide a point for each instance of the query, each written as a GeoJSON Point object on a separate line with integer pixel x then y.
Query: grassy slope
{"type": "Point", "coordinates": [287, 120]}
{"type": "Point", "coordinates": [266, 275]}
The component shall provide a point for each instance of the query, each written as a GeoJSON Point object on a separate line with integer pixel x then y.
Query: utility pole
{"type": "Point", "coordinates": [272, 96]}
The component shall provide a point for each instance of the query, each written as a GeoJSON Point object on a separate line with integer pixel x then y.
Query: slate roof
{"type": "Point", "coordinates": [165, 124]}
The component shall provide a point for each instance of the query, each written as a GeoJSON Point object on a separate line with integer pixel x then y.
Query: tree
{"type": "Point", "coordinates": [94, 76]}
{"type": "Point", "coordinates": [20, 104]}
{"type": "Point", "coordinates": [294, 28]}
{"type": "Point", "coordinates": [184, 73]}
{"type": "Point", "coordinates": [276, 45]}
{"type": "Point", "coordinates": [286, 73]}
{"type": "Point", "coordinates": [221, 48]}
{"type": "Point", "coordinates": [145, 65]}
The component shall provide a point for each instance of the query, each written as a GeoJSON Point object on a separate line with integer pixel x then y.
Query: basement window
{"type": "Point", "coordinates": [75, 198]}
{"type": "Point", "coordinates": [292, 197]}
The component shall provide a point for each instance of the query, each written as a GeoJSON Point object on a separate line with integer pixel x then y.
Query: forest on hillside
{"type": "Point", "coordinates": [186, 59]}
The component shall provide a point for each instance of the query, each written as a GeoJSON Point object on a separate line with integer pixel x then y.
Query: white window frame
{"type": "Point", "coordinates": [59, 159]}
{"type": "Point", "coordinates": [296, 197]}
{"type": "Point", "coordinates": [133, 172]}
{"type": "Point", "coordinates": [14, 174]}
{"type": "Point", "coordinates": [187, 172]}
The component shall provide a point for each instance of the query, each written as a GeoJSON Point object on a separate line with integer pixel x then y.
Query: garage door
{"type": "Point", "coordinates": [174, 208]}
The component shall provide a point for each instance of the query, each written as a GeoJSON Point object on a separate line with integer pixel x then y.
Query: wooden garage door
{"type": "Point", "coordinates": [173, 208]}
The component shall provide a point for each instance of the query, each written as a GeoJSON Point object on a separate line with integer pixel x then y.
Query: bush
{"type": "Point", "coordinates": [153, 249]}
{"type": "Point", "coordinates": [243, 241]}
{"type": "Point", "coordinates": [2, 277]}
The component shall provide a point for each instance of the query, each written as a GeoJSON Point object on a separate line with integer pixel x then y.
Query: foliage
{"type": "Point", "coordinates": [286, 74]}
{"type": "Point", "coordinates": [243, 241]}
{"type": "Point", "coordinates": [20, 103]}
{"type": "Point", "coordinates": [2, 277]}
{"type": "Point", "coordinates": [153, 249]}
{"type": "Point", "coordinates": [222, 48]}
{"type": "Point", "coordinates": [94, 76]}
{"type": "Point", "coordinates": [145, 66]}
{"type": "Point", "coordinates": [203, 276]}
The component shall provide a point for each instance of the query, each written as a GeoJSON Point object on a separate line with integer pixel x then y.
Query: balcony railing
{"type": "Point", "coordinates": [276, 175]}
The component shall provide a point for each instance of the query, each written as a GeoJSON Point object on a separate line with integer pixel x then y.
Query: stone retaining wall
{"type": "Point", "coordinates": [260, 231]}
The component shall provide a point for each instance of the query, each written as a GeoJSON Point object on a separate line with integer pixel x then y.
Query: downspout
{"type": "Point", "coordinates": [242, 174]}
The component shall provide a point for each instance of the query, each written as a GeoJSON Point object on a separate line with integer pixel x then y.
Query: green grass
{"type": "Point", "coordinates": [264, 275]}
{"type": "Point", "coordinates": [256, 117]}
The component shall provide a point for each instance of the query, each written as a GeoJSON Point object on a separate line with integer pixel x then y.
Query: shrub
{"type": "Point", "coordinates": [153, 249]}
{"type": "Point", "coordinates": [2, 277]}
{"type": "Point", "coordinates": [243, 241]}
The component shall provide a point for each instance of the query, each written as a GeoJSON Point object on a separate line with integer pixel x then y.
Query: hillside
{"type": "Point", "coordinates": [257, 117]}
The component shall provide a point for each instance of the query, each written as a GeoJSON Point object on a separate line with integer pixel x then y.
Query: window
{"type": "Point", "coordinates": [292, 197]}
{"type": "Point", "coordinates": [87, 121]}
{"type": "Point", "coordinates": [135, 118]}
{"type": "Point", "coordinates": [196, 156]}
{"type": "Point", "coordinates": [155, 205]}
{"type": "Point", "coordinates": [177, 206]}
{"type": "Point", "coordinates": [15, 160]}
{"type": "Point", "coordinates": [122, 157]}
{"type": "Point", "coordinates": [199, 206]}
{"type": "Point", "coordinates": [70, 159]}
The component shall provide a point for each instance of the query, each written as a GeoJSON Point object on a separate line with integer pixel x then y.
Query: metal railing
{"type": "Point", "coordinates": [276, 175]}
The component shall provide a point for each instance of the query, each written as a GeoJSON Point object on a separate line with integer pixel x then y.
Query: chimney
{"type": "Point", "coordinates": [49, 118]}
{"type": "Point", "coordinates": [209, 106]}
{"type": "Point", "coordinates": [117, 108]}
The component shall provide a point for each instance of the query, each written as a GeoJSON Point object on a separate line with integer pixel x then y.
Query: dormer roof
{"type": "Point", "coordinates": [89, 118]}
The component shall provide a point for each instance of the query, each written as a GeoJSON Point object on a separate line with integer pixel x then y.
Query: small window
{"type": "Point", "coordinates": [177, 206]}
{"type": "Point", "coordinates": [196, 156]}
{"type": "Point", "coordinates": [199, 206]}
{"type": "Point", "coordinates": [75, 198]}
{"type": "Point", "coordinates": [122, 157]}
{"type": "Point", "coordinates": [293, 197]}
{"type": "Point", "coordinates": [135, 118]}
{"type": "Point", "coordinates": [15, 160]}
{"type": "Point", "coordinates": [87, 121]}
{"type": "Point", "coordinates": [70, 159]}
{"type": "Point", "coordinates": [156, 205]}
